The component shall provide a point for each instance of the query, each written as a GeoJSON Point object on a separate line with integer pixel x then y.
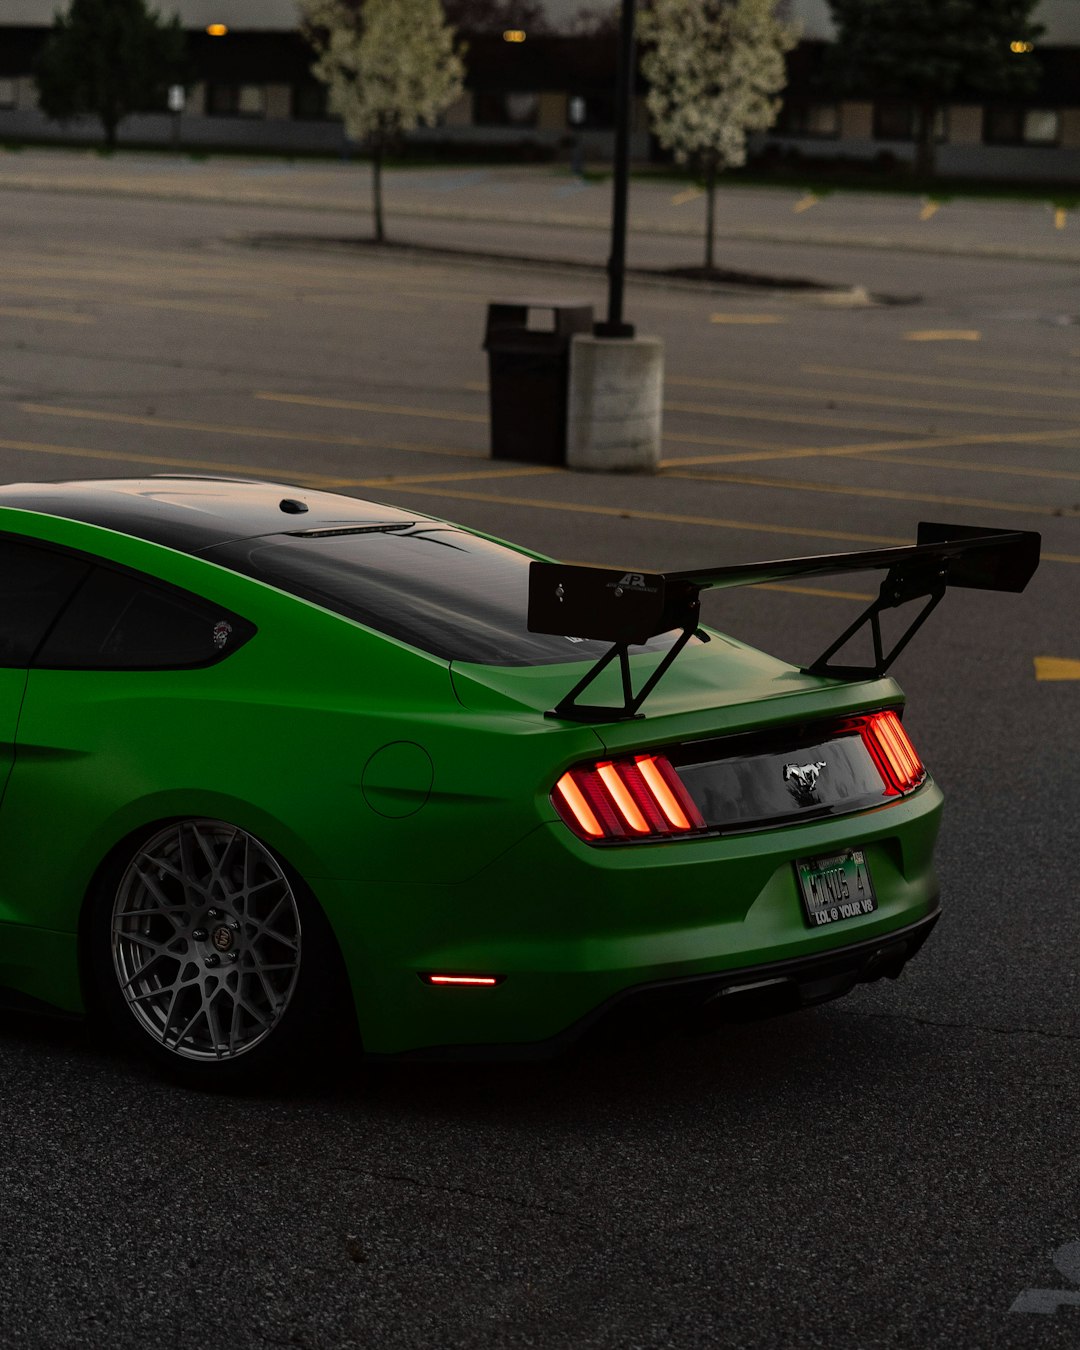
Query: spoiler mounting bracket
{"type": "Point", "coordinates": [903, 583]}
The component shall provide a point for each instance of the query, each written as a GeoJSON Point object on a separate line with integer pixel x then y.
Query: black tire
{"type": "Point", "coordinates": [210, 957]}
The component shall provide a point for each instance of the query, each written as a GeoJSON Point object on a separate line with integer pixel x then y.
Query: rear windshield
{"type": "Point", "coordinates": [430, 585]}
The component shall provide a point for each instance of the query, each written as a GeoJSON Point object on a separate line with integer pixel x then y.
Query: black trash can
{"type": "Point", "coordinates": [529, 377]}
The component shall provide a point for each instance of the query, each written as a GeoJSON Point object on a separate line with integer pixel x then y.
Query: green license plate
{"type": "Point", "coordinates": [835, 886]}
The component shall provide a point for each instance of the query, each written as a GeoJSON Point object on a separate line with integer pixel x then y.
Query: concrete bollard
{"type": "Point", "coordinates": [615, 402]}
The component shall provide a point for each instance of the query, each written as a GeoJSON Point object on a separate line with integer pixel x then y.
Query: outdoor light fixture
{"type": "Point", "coordinates": [1019, 47]}
{"type": "Point", "coordinates": [514, 35]}
{"type": "Point", "coordinates": [217, 29]}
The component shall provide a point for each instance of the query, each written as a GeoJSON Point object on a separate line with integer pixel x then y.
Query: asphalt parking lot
{"type": "Point", "coordinates": [896, 1169]}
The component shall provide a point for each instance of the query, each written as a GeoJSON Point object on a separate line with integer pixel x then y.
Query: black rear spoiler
{"type": "Point", "coordinates": [628, 608]}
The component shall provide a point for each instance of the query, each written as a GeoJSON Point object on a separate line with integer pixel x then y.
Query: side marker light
{"type": "Point", "coordinates": [467, 981]}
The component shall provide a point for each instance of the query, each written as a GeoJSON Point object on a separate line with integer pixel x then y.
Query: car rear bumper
{"type": "Point", "coordinates": [697, 1001]}
{"type": "Point", "coordinates": [569, 931]}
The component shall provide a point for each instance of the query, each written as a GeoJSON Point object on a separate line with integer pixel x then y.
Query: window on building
{"type": "Point", "coordinates": [497, 109]}
{"type": "Point", "coordinates": [1021, 126]}
{"type": "Point", "coordinates": [802, 118]}
{"type": "Point", "coordinates": [309, 102]}
{"type": "Point", "coordinates": [9, 93]}
{"type": "Point", "coordinates": [896, 120]}
{"type": "Point", "coordinates": [237, 100]}
{"type": "Point", "coordinates": [593, 112]}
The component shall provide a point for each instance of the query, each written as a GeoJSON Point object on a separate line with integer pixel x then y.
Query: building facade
{"type": "Point", "coordinates": [251, 86]}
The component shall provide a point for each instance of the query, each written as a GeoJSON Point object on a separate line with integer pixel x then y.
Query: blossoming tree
{"type": "Point", "coordinates": [714, 69]}
{"type": "Point", "coordinates": [389, 66]}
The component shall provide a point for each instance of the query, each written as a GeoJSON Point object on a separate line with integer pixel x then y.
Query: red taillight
{"type": "Point", "coordinates": [897, 761]}
{"type": "Point", "coordinates": [637, 798]}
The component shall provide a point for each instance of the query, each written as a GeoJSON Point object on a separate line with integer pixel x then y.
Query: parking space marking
{"type": "Point", "coordinates": [45, 315]}
{"type": "Point", "coordinates": [870, 401]}
{"type": "Point", "coordinates": [393, 409]}
{"type": "Point", "coordinates": [673, 518]}
{"type": "Point", "coordinates": [1008, 470]}
{"type": "Point", "coordinates": [943, 335]}
{"type": "Point", "coordinates": [805, 203]}
{"type": "Point", "coordinates": [664, 517]}
{"type": "Point", "coordinates": [1061, 217]}
{"type": "Point", "coordinates": [929, 210]}
{"type": "Point", "coordinates": [750, 319]}
{"type": "Point", "coordinates": [171, 462]}
{"type": "Point", "coordinates": [1004, 363]}
{"type": "Point", "coordinates": [850, 397]}
{"type": "Point", "coordinates": [254, 433]}
{"type": "Point", "coordinates": [214, 308]}
{"type": "Point", "coordinates": [866, 450]}
{"type": "Point", "coordinates": [821, 591]}
{"type": "Point", "coordinates": [874, 493]}
{"type": "Point", "coordinates": [372, 303]}
{"type": "Point", "coordinates": [690, 195]}
{"type": "Point", "coordinates": [1056, 668]}
{"type": "Point", "coordinates": [456, 475]}
{"type": "Point", "coordinates": [940, 381]}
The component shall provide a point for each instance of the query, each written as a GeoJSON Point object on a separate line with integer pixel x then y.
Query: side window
{"type": "Point", "coordinates": [35, 583]}
{"type": "Point", "coordinates": [121, 621]}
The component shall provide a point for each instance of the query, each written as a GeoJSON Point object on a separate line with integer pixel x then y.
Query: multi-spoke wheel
{"type": "Point", "coordinates": [213, 953]}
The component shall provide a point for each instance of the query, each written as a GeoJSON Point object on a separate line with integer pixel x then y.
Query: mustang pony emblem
{"type": "Point", "coordinates": [802, 779]}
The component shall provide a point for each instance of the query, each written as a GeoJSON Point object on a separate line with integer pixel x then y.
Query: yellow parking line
{"type": "Point", "coordinates": [750, 319]}
{"type": "Point", "coordinates": [866, 450]}
{"type": "Point", "coordinates": [275, 474]}
{"type": "Point", "coordinates": [1009, 470]}
{"type": "Point", "coordinates": [666, 517]}
{"type": "Point", "coordinates": [941, 381]}
{"type": "Point", "coordinates": [1011, 364]}
{"type": "Point", "coordinates": [803, 396]}
{"type": "Point", "coordinates": [1056, 668]}
{"type": "Point", "coordinates": [690, 195]}
{"type": "Point", "coordinates": [944, 335]}
{"type": "Point", "coordinates": [1061, 217]}
{"type": "Point", "coordinates": [672, 518]}
{"type": "Point", "coordinates": [400, 479]}
{"type": "Point", "coordinates": [254, 433]}
{"type": "Point", "coordinates": [805, 203]}
{"type": "Point", "coordinates": [394, 409]}
{"type": "Point", "coordinates": [45, 315]}
{"type": "Point", "coordinates": [929, 210]}
{"type": "Point", "coordinates": [188, 306]}
{"type": "Point", "coordinates": [867, 400]}
{"type": "Point", "coordinates": [173, 462]}
{"type": "Point", "coordinates": [874, 493]}
{"type": "Point", "coordinates": [815, 590]}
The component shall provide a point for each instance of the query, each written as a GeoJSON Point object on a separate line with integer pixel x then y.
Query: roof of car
{"type": "Point", "coordinates": [191, 513]}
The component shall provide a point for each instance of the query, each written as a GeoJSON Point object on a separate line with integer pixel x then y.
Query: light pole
{"type": "Point", "coordinates": [615, 326]}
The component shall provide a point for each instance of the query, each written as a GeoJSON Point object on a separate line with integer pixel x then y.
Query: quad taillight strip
{"type": "Point", "coordinates": [626, 799]}
{"type": "Point", "coordinates": [890, 748]}
{"type": "Point", "coordinates": [643, 797]}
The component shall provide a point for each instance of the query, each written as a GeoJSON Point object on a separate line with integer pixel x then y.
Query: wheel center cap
{"type": "Point", "coordinates": [222, 938]}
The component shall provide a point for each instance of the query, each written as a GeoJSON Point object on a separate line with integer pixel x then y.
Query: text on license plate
{"type": "Point", "coordinates": [835, 886]}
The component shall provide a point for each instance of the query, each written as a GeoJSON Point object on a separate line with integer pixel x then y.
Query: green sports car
{"type": "Point", "coordinates": [278, 762]}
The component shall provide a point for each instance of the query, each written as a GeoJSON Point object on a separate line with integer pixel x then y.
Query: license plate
{"type": "Point", "coordinates": [835, 886]}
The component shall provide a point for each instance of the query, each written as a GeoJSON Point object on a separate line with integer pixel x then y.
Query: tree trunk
{"type": "Point", "coordinates": [925, 145]}
{"type": "Point", "coordinates": [710, 212]}
{"type": "Point", "coordinates": [376, 189]}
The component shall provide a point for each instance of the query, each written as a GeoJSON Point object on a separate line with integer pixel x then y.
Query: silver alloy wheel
{"type": "Point", "coordinates": [206, 939]}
